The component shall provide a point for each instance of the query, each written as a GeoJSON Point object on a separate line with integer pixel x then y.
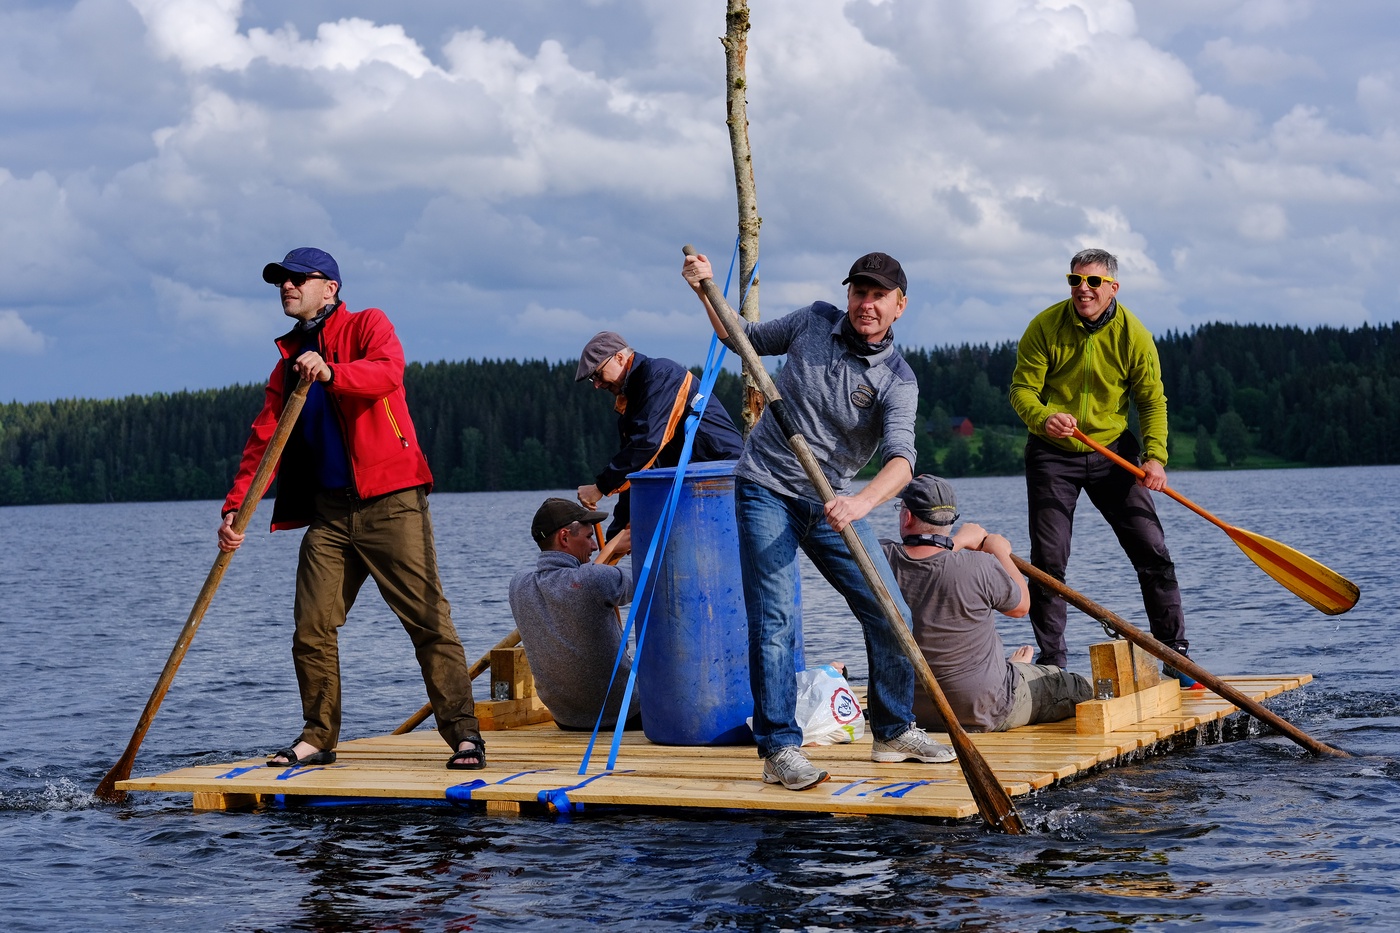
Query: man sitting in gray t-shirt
{"type": "Point", "coordinates": [953, 586]}
{"type": "Point", "coordinates": [567, 613]}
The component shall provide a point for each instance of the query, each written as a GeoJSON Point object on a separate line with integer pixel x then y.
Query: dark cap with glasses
{"type": "Point", "coordinates": [596, 352]}
{"type": "Point", "coordinates": [881, 268]}
{"type": "Point", "coordinates": [302, 263]}
{"type": "Point", "coordinates": [560, 513]}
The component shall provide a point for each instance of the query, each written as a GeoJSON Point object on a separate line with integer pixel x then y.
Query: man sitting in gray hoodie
{"type": "Point", "coordinates": [567, 613]}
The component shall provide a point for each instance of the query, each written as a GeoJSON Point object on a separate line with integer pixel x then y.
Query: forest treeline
{"type": "Point", "coordinates": [1325, 396]}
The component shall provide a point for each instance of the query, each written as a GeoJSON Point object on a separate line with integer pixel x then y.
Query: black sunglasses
{"type": "Point", "coordinates": [298, 279]}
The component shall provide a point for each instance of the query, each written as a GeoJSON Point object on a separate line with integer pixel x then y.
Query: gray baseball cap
{"type": "Point", "coordinates": [931, 499]}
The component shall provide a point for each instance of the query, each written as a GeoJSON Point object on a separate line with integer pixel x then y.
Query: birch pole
{"type": "Point", "coordinates": [736, 48]}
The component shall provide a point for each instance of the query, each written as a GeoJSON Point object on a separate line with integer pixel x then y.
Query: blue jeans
{"type": "Point", "coordinates": [771, 529]}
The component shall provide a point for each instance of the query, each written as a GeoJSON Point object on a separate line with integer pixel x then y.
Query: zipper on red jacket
{"type": "Point", "coordinates": [394, 423]}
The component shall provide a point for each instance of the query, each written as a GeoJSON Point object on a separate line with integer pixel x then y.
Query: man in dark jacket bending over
{"type": "Point", "coordinates": [654, 395]}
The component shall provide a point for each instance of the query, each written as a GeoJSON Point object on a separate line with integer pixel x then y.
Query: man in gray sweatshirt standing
{"type": "Point", "coordinates": [849, 392]}
{"type": "Point", "coordinates": [566, 610]}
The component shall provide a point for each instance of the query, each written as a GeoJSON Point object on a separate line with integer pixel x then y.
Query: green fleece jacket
{"type": "Point", "coordinates": [1061, 366]}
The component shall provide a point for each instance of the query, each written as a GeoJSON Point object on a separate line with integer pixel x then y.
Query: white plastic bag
{"type": "Point", "coordinates": [827, 710]}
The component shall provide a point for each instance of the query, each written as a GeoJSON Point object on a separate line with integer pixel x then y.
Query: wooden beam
{"type": "Point", "coordinates": [511, 678]}
{"type": "Point", "coordinates": [1100, 717]}
{"type": "Point", "coordinates": [1127, 667]}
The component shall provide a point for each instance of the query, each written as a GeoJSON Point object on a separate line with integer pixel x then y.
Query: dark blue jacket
{"type": "Point", "coordinates": [656, 397]}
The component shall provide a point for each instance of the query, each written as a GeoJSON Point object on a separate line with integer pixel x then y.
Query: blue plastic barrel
{"type": "Point", "coordinates": [693, 672]}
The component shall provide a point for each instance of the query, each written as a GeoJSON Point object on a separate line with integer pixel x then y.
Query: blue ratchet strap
{"type": "Point", "coordinates": [558, 797]}
{"type": "Point", "coordinates": [645, 592]}
{"type": "Point", "coordinates": [462, 793]}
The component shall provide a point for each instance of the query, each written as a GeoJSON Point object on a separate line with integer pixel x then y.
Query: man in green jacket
{"type": "Point", "coordinates": [1079, 364]}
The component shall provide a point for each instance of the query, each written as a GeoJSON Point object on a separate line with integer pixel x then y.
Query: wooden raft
{"type": "Point", "coordinates": [537, 766]}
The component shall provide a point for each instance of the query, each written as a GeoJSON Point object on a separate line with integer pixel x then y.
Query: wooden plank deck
{"type": "Point", "coordinates": [537, 766]}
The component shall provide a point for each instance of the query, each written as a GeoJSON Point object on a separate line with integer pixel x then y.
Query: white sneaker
{"type": "Point", "coordinates": [789, 767]}
{"type": "Point", "coordinates": [911, 745]}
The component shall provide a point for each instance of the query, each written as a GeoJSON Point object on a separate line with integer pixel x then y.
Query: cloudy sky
{"type": "Point", "coordinates": [506, 179]}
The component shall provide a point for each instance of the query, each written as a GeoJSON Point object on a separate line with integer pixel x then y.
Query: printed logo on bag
{"type": "Point", "coordinates": [863, 397]}
{"type": "Point", "coordinates": [844, 707]}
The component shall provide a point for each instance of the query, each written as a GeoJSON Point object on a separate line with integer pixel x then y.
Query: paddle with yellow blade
{"type": "Point", "coordinates": [1317, 585]}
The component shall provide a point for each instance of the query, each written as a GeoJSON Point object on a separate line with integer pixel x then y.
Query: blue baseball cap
{"type": "Point", "coordinates": [304, 260]}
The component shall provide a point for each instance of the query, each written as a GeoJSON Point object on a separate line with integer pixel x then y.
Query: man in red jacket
{"type": "Point", "coordinates": [353, 472]}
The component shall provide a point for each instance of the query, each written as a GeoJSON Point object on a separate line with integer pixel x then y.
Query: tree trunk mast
{"type": "Point", "coordinates": [736, 47]}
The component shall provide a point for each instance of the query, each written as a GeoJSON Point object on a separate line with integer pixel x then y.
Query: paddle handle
{"type": "Point", "coordinates": [1176, 659]}
{"type": "Point", "coordinates": [1138, 471]}
{"type": "Point", "coordinates": [262, 478]}
{"type": "Point", "coordinates": [992, 800]}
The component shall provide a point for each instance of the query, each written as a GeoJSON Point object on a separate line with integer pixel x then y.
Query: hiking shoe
{"type": "Point", "coordinates": [913, 744]}
{"type": "Point", "coordinates": [789, 767]}
{"type": "Point", "coordinates": [1186, 680]}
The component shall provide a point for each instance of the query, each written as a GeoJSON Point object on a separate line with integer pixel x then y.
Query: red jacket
{"type": "Point", "coordinates": [366, 394]}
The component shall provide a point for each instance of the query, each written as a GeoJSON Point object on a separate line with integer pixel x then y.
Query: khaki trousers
{"type": "Point", "coordinates": [1044, 693]}
{"type": "Point", "coordinates": [389, 538]}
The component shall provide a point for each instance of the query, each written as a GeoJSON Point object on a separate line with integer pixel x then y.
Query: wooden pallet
{"type": "Point", "coordinates": [537, 766]}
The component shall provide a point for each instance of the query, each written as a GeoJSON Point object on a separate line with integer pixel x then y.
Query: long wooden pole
{"type": "Point", "coordinates": [1316, 584]}
{"type": "Point", "coordinates": [107, 790]}
{"type": "Point", "coordinates": [1175, 658]}
{"type": "Point", "coordinates": [993, 802]}
{"type": "Point", "coordinates": [736, 50]}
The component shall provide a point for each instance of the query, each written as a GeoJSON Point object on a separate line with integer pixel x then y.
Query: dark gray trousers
{"type": "Point", "coordinates": [1054, 478]}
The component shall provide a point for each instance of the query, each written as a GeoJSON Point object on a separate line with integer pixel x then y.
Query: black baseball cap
{"type": "Point", "coordinates": [554, 514]}
{"type": "Point", "coordinates": [879, 267]}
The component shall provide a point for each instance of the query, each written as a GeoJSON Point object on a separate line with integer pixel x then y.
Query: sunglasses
{"type": "Point", "coordinates": [298, 279]}
{"type": "Point", "coordinates": [1093, 281]}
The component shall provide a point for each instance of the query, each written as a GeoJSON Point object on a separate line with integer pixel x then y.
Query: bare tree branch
{"type": "Point", "coordinates": [736, 47]}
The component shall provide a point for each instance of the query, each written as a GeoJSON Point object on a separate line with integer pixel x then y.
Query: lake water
{"type": "Point", "coordinates": [1252, 834]}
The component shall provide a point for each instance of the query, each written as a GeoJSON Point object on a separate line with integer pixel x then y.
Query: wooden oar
{"type": "Point", "coordinates": [1317, 585]}
{"type": "Point", "coordinates": [473, 672]}
{"type": "Point", "coordinates": [993, 802]}
{"type": "Point", "coordinates": [1176, 659]}
{"type": "Point", "coordinates": [107, 790]}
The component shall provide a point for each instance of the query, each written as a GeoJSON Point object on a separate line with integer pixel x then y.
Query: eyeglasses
{"type": "Point", "coordinates": [597, 376]}
{"type": "Point", "coordinates": [298, 279]}
{"type": "Point", "coordinates": [1093, 281]}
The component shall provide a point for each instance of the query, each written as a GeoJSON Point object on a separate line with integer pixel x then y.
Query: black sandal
{"type": "Point", "coordinates": [316, 758]}
{"type": "Point", "coordinates": [471, 758]}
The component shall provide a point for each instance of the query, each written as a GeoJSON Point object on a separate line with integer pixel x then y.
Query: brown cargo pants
{"type": "Point", "coordinates": [390, 538]}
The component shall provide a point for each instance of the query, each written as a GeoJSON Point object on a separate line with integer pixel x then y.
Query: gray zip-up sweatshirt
{"type": "Point", "coordinates": [564, 610]}
{"type": "Point", "coordinates": [847, 406]}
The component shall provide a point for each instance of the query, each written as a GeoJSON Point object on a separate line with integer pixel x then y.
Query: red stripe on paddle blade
{"type": "Point", "coordinates": [1321, 587]}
